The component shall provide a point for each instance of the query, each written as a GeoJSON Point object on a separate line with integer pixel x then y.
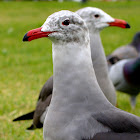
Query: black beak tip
{"type": "Point", "coordinates": [128, 26]}
{"type": "Point", "coordinates": [25, 38]}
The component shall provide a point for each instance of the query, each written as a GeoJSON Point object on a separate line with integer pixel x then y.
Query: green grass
{"type": "Point", "coordinates": [24, 67]}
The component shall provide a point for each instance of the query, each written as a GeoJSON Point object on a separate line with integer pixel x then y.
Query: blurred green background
{"type": "Point", "coordinates": [25, 67]}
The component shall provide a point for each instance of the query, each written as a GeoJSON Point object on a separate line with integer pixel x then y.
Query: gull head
{"type": "Point", "coordinates": [62, 26]}
{"type": "Point", "coordinates": [97, 19]}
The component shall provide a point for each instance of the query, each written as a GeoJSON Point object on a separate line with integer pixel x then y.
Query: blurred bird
{"type": "Point", "coordinates": [125, 76]}
{"type": "Point", "coordinates": [128, 51]}
{"type": "Point", "coordinates": [96, 20]}
{"type": "Point", "coordinates": [124, 73]}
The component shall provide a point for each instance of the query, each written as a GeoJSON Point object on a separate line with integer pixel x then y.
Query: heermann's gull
{"type": "Point", "coordinates": [125, 52]}
{"type": "Point", "coordinates": [97, 20]}
{"type": "Point", "coordinates": [125, 76]}
{"type": "Point", "coordinates": [78, 109]}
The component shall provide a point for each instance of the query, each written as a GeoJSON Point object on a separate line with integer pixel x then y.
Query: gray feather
{"type": "Point", "coordinates": [119, 121]}
{"type": "Point", "coordinates": [116, 136]}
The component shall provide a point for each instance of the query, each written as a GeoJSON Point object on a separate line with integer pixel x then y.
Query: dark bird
{"type": "Point", "coordinates": [125, 76]}
{"type": "Point", "coordinates": [125, 52]}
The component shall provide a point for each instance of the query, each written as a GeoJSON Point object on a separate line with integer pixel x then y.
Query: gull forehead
{"type": "Point", "coordinates": [62, 15]}
{"type": "Point", "coordinates": [91, 12]}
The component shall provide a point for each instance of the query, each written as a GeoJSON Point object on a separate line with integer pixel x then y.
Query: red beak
{"type": "Point", "coordinates": [35, 34]}
{"type": "Point", "coordinates": [119, 23]}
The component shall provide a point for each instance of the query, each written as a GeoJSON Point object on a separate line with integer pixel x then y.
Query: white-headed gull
{"type": "Point", "coordinates": [78, 109]}
{"type": "Point", "coordinates": [97, 20]}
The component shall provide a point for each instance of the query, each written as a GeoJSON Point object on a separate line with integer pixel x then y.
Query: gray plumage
{"type": "Point", "coordinates": [116, 136]}
{"type": "Point", "coordinates": [78, 109]}
{"type": "Point", "coordinates": [119, 121]}
{"type": "Point", "coordinates": [98, 58]}
{"type": "Point", "coordinates": [125, 77]}
{"type": "Point", "coordinates": [116, 68]}
{"type": "Point", "coordinates": [127, 51]}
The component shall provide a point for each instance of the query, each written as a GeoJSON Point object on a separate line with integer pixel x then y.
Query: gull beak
{"type": "Point", "coordinates": [35, 34]}
{"type": "Point", "coordinates": [119, 23]}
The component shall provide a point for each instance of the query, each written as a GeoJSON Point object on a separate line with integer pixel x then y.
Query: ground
{"type": "Point", "coordinates": [24, 67]}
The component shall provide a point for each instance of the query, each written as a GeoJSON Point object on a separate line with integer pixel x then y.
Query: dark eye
{"type": "Point", "coordinates": [96, 15]}
{"type": "Point", "coordinates": [66, 22]}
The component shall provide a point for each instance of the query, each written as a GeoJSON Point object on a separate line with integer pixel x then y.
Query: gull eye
{"type": "Point", "coordinates": [66, 22]}
{"type": "Point", "coordinates": [96, 16]}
